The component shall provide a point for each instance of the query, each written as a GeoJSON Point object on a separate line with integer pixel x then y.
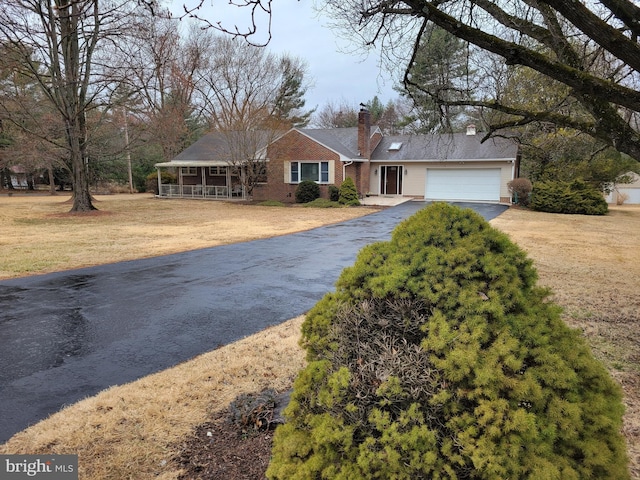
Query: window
{"type": "Point", "coordinates": [213, 171]}
{"type": "Point", "coordinates": [189, 171]}
{"type": "Point", "coordinates": [315, 171]}
{"type": "Point", "coordinates": [395, 146]}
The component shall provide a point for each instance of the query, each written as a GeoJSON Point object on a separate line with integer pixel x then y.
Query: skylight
{"type": "Point", "coordinates": [395, 146]}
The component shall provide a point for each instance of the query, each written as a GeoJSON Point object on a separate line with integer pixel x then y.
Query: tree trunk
{"type": "Point", "coordinates": [73, 94]}
{"type": "Point", "coordinates": [52, 181]}
{"type": "Point", "coordinates": [79, 161]}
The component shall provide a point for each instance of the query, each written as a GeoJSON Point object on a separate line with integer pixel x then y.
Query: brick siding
{"type": "Point", "coordinates": [293, 146]}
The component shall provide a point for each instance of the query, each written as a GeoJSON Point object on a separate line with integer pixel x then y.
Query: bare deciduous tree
{"type": "Point", "coordinates": [251, 96]}
{"type": "Point", "coordinates": [67, 48]}
{"type": "Point", "coordinates": [163, 66]}
{"type": "Point", "coordinates": [337, 115]}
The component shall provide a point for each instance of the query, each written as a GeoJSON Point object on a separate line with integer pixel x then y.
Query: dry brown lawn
{"type": "Point", "coordinates": [133, 431]}
{"type": "Point", "coordinates": [39, 236]}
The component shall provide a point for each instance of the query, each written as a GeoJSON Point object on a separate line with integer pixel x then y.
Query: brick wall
{"type": "Point", "coordinates": [293, 146]}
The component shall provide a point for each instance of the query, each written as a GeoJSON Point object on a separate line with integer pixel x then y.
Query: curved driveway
{"type": "Point", "coordinates": [68, 335]}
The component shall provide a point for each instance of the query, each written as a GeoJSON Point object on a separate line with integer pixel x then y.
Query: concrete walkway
{"type": "Point", "coordinates": [384, 200]}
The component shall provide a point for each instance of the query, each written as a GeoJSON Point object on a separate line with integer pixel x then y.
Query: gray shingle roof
{"type": "Point", "coordinates": [222, 147]}
{"type": "Point", "coordinates": [341, 140]}
{"type": "Point", "coordinates": [218, 147]}
{"type": "Point", "coordinates": [457, 146]}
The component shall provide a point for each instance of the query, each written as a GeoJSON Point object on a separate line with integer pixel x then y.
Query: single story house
{"type": "Point", "coordinates": [628, 193]}
{"type": "Point", "coordinates": [214, 166]}
{"type": "Point", "coordinates": [455, 167]}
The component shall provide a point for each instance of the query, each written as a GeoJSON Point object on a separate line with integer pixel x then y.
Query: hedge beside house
{"type": "Point", "coordinates": [438, 357]}
{"type": "Point", "coordinates": [576, 197]}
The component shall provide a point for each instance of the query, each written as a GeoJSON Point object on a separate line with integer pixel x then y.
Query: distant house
{"type": "Point", "coordinates": [18, 176]}
{"type": "Point", "coordinates": [628, 193]}
{"type": "Point", "coordinates": [432, 167]}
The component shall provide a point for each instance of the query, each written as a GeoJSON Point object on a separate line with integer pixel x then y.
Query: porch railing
{"type": "Point", "coordinates": [194, 191]}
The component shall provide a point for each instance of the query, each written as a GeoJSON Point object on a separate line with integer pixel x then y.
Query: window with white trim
{"type": "Point", "coordinates": [213, 171]}
{"type": "Point", "coordinates": [189, 171]}
{"type": "Point", "coordinates": [315, 171]}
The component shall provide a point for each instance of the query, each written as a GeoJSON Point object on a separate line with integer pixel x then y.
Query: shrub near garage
{"type": "Point", "coordinates": [576, 197]}
{"type": "Point", "coordinates": [520, 189]}
{"type": "Point", "coordinates": [438, 357]}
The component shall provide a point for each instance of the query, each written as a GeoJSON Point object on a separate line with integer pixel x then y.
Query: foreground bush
{"type": "Point", "coordinates": [576, 197]}
{"type": "Point", "coordinates": [438, 357]}
{"type": "Point", "coordinates": [307, 191]}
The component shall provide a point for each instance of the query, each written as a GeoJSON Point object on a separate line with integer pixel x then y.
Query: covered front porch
{"type": "Point", "coordinates": [213, 180]}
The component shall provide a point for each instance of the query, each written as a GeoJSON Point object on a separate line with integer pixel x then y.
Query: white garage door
{"type": "Point", "coordinates": [633, 194]}
{"type": "Point", "coordinates": [478, 184]}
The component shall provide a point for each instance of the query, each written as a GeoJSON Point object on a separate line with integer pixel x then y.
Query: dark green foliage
{"type": "Point", "coordinates": [520, 189]}
{"type": "Point", "coordinates": [576, 197]}
{"type": "Point", "coordinates": [307, 191]}
{"type": "Point", "coordinates": [438, 357]}
{"type": "Point", "coordinates": [437, 72]}
{"type": "Point", "coordinates": [334, 193]}
{"type": "Point", "coordinates": [165, 177]}
{"type": "Point", "coordinates": [348, 194]}
{"type": "Point", "coordinates": [566, 157]}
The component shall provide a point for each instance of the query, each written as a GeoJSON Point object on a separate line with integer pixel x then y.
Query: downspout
{"type": "Point", "coordinates": [159, 182]}
{"type": "Point", "coordinates": [344, 169]}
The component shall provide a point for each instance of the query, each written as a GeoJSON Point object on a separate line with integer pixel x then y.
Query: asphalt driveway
{"type": "Point", "coordinates": [68, 335]}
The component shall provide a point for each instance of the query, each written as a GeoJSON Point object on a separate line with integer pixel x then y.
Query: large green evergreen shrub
{"type": "Point", "coordinates": [165, 177]}
{"type": "Point", "coordinates": [348, 194]}
{"type": "Point", "coordinates": [438, 357]}
{"type": "Point", "coordinates": [577, 197]}
{"type": "Point", "coordinates": [307, 191]}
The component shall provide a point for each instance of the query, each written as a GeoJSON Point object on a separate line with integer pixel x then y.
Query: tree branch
{"type": "Point", "coordinates": [608, 37]}
{"type": "Point", "coordinates": [581, 81]}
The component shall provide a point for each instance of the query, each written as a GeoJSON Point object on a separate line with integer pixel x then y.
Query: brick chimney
{"type": "Point", "coordinates": [364, 133]}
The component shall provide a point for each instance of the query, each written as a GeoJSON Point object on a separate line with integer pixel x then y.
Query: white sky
{"type": "Point", "coordinates": [296, 29]}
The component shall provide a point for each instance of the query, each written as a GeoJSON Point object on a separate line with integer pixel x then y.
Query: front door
{"type": "Point", "coordinates": [391, 180]}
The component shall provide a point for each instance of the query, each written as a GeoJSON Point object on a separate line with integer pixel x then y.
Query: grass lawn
{"type": "Point", "coordinates": [592, 264]}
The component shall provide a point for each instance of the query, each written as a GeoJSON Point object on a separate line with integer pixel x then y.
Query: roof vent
{"type": "Point", "coordinates": [471, 129]}
{"type": "Point", "coordinates": [395, 146]}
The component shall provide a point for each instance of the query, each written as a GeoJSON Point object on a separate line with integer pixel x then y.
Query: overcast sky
{"type": "Point", "coordinates": [297, 29]}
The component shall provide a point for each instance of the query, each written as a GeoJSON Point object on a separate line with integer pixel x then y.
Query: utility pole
{"type": "Point", "coordinates": [128, 152]}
